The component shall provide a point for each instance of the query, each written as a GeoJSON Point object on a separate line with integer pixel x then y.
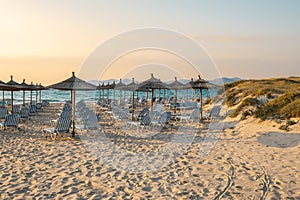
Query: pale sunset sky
{"type": "Point", "coordinates": [45, 40]}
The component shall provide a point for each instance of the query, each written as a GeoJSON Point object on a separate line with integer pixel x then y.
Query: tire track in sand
{"type": "Point", "coordinates": [230, 180]}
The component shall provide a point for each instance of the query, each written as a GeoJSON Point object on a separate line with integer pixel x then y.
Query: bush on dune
{"type": "Point", "coordinates": [277, 108]}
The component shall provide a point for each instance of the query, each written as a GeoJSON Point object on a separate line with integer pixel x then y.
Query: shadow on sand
{"type": "Point", "coordinates": [280, 140]}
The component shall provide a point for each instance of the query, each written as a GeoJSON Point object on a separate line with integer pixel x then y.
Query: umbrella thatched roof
{"type": "Point", "coordinates": [120, 85]}
{"type": "Point", "coordinates": [26, 86]}
{"type": "Point", "coordinates": [40, 87]}
{"type": "Point", "coordinates": [109, 86]}
{"type": "Point", "coordinates": [152, 83]}
{"type": "Point", "coordinates": [100, 87]}
{"type": "Point", "coordinates": [175, 85]}
{"type": "Point", "coordinates": [201, 84]}
{"type": "Point", "coordinates": [6, 87]}
{"type": "Point", "coordinates": [73, 83]}
{"type": "Point", "coordinates": [131, 86]}
{"type": "Point", "coordinates": [13, 85]}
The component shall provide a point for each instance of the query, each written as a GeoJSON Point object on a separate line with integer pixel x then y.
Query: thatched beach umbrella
{"type": "Point", "coordinates": [131, 87]}
{"type": "Point", "coordinates": [15, 87]}
{"type": "Point", "coordinates": [5, 87]}
{"type": "Point", "coordinates": [176, 85]}
{"type": "Point", "coordinates": [25, 87]}
{"type": "Point", "coordinates": [40, 87]}
{"type": "Point", "coordinates": [201, 84]}
{"type": "Point", "coordinates": [152, 84]}
{"type": "Point", "coordinates": [100, 88]}
{"type": "Point", "coordinates": [109, 87]}
{"type": "Point", "coordinates": [73, 83]}
{"type": "Point", "coordinates": [38, 92]}
{"type": "Point", "coordinates": [32, 88]}
{"type": "Point", "coordinates": [3, 84]}
{"type": "Point", "coordinates": [119, 86]}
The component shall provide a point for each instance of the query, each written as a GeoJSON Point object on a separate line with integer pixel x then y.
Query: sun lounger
{"type": "Point", "coordinates": [146, 122]}
{"type": "Point", "coordinates": [194, 116]}
{"type": "Point", "coordinates": [3, 113]}
{"type": "Point", "coordinates": [163, 119]}
{"type": "Point", "coordinates": [63, 126]}
{"type": "Point", "coordinates": [16, 109]}
{"type": "Point", "coordinates": [11, 120]}
{"type": "Point", "coordinates": [214, 112]}
{"type": "Point", "coordinates": [24, 113]}
{"type": "Point", "coordinates": [32, 110]}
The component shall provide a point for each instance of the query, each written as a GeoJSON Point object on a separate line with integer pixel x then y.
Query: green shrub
{"type": "Point", "coordinates": [245, 115]}
{"type": "Point", "coordinates": [231, 98]}
{"type": "Point", "coordinates": [260, 92]}
{"type": "Point", "coordinates": [269, 95]}
{"type": "Point", "coordinates": [273, 108]}
{"type": "Point", "coordinates": [291, 110]}
{"type": "Point", "coordinates": [290, 122]}
{"type": "Point", "coordinates": [284, 128]}
{"type": "Point", "coordinates": [245, 103]}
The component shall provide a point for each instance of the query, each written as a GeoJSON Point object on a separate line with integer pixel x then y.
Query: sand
{"type": "Point", "coordinates": [246, 160]}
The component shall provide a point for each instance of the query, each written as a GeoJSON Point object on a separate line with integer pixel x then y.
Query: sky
{"type": "Point", "coordinates": [45, 40]}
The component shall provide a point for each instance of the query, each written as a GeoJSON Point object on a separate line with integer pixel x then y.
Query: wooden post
{"type": "Point", "coordinates": [152, 96]}
{"type": "Point", "coordinates": [175, 101]}
{"type": "Point", "coordinates": [201, 106]}
{"type": "Point", "coordinates": [147, 98]}
{"type": "Point", "coordinates": [12, 101]}
{"type": "Point", "coordinates": [30, 97]}
{"type": "Point", "coordinates": [73, 112]}
{"type": "Point", "coordinates": [23, 97]}
{"type": "Point", "coordinates": [132, 113]}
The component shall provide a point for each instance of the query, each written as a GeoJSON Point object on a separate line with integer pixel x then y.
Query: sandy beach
{"type": "Point", "coordinates": [249, 160]}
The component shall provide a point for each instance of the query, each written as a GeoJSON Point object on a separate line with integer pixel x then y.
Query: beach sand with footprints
{"type": "Point", "coordinates": [248, 160]}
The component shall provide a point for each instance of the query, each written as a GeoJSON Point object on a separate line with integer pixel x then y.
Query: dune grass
{"type": "Point", "coordinates": [283, 95]}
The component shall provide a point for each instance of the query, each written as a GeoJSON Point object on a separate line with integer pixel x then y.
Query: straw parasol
{"type": "Point", "coordinates": [40, 87]}
{"type": "Point", "coordinates": [2, 85]}
{"type": "Point", "coordinates": [152, 84]}
{"type": "Point", "coordinates": [15, 87]}
{"type": "Point", "coordinates": [99, 88]}
{"type": "Point", "coordinates": [73, 83]}
{"type": "Point", "coordinates": [25, 87]}
{"type": "Point", "coordinates": [109, 87]}
{"type": "Point", "coordinates": [119, 86]}
{"type": "Point", "coordinates": [175, 85]}
{"type": "Point", "coordinates": [131, 87]}
{"type": "Point", "coordinates": [201, 84]}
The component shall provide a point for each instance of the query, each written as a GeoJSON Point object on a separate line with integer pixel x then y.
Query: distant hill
{"type": "Point", "coordinates": [224, 80]}
{"type": "Point", "coordinates": [219, 81]}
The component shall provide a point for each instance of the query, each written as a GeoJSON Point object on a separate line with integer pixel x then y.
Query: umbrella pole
{"type": "Point", "coordinates": [12, 101]}
{"type": "Point", "coordinates": [193, 91]}
{"type": "Point", "coordinates": [175, 100]}
{"type": "Point", "coordinates": [36, 97]}
{"type": "Point", "coordinates": [159, 94]}
{"type": "Point", "coordinates": [201, 111]}
{"type": "Point", "coordinates": [207, 94]}
{"type": "Point", "coordinates": [152, 96]}
{"type": "Point", "coordinates": [3, 95]}
{"type": "Point", "coordinates": [73, 112]}
{"type": "Point", "coordinates": [147, 98]}
{"type": "Point", "coordinates": [40, 96]}
{"type": "Point", "coordinates": [30, 97]}
{"type": "Point", "coordinates": [132, 113]}
{"type": "Point", "coordinates": [23, 97]}
{"type": "Point", "coordinates": [114, 95]}
{"type": "Point", "coordinates": [120, 94]}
